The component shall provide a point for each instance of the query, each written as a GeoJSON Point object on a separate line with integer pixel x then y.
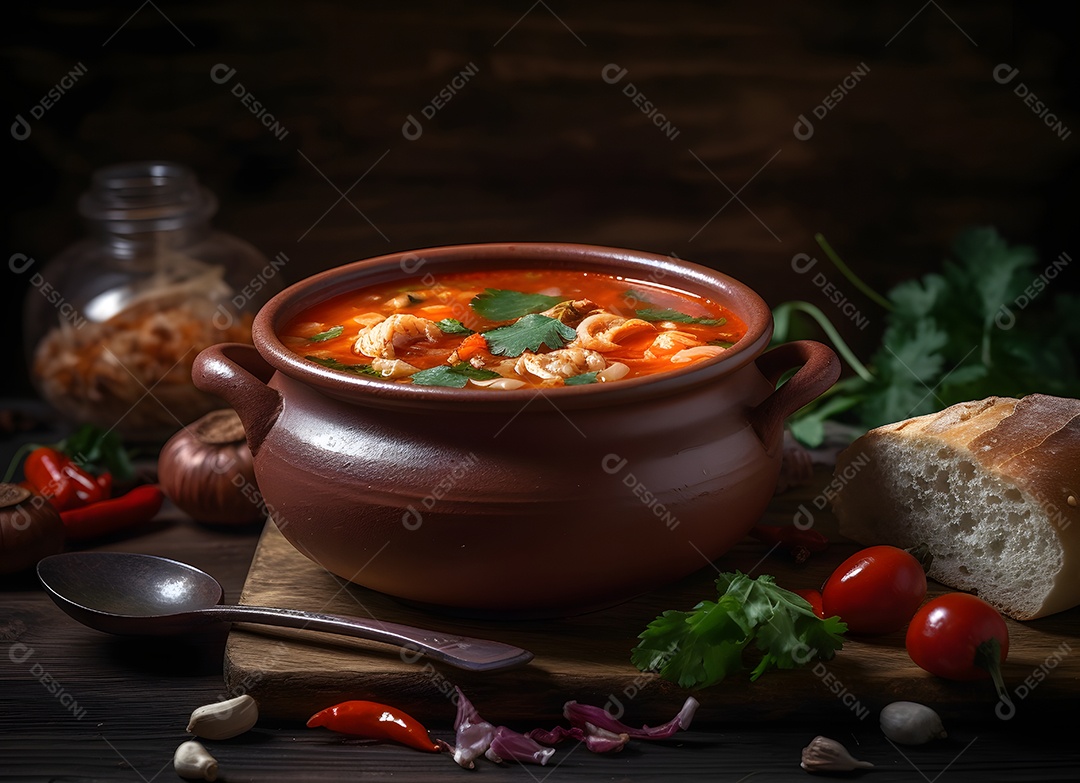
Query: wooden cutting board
{"type": "Point", "coordinates": [293, 674]}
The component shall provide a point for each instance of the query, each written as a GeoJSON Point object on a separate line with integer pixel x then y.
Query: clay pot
{"type": "Point", "coordinates": [515, 502]}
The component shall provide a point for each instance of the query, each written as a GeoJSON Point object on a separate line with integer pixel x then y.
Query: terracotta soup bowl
{"type": "Point", "coordinates": [516, 502]}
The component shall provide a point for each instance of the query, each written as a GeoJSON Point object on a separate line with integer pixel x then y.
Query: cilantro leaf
{"type": "Point", "coordinates": [917, 355]}
{"type": "Point", "coordinates": [453, 326]}
{"type": "Point", "coordinates": [791, 637]}
{"type": "Point", "coordinates": [634, 295]}
{"type": "Point", "coordinates": [582, 379]}
{"type": "Point", "coordinates": [456, 376]}
{"type": "Point", "coordinates": [501, 304]}
{"type": "Point", "coordinates": [915, 299]}
{"type": "Point", "coordinates": [329, 334]}
{"type": "Point", "coordinates": [699, 648]}
{"type": "Point", "coordinates": [995, 272]}
{"type": "Point", "coordinates": [695, 648]}
{"type": "Point", "coordinates": [528, 333]}
{"type": "Point", "coordinates": [355, 369]}
{"type": "Point", "coordinates": [667, 314]}
{"type": "Point", "coordinates": [907, 374]}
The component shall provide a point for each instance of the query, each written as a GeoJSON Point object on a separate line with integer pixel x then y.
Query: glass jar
{"type": "Point", "coordinates": [113, 324]}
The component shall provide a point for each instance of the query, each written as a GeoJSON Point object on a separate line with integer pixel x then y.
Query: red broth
{"type": "Point", "coordinates": [512, 329]}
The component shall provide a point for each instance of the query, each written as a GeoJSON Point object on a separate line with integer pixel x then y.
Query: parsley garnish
{"type": "Point", "coordinates": [455, 377]}
{"type": "Point", "coordinates": [501, 304]}
{"type": "Point", "coordinates": [582, 379]}
{"type": "Point", "coordinates": [329, 334]}
{"type": "Point", "coordinates": [355, 369]}
{"type": "Point", "coordinates": [699, 648]}
{"type": "Point", "coordinates": [453, 326]}
{"type": "Point", "coordinates": [528, 333]}
{"type": "Point", "coordinates": [654, 314]}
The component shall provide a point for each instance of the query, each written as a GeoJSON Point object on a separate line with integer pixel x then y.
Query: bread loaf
{"type": "Point", "coordinates": [991, 487]}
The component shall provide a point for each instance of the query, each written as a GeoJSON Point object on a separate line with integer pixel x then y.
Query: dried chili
{"type": "Point", "coordinates": [372, 720]}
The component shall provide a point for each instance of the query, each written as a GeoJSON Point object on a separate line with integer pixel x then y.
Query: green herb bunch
{"type": "Point", "coordinates": [988, 324]}
{"type": "Point", "coordinates": [700, 647]}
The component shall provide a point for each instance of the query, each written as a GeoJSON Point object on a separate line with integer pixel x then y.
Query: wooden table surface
{"type": "Point", "coordinates": [76, 704]}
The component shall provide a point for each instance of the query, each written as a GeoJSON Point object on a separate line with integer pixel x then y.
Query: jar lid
{"type": "Point", "coordinates": [146, 196]}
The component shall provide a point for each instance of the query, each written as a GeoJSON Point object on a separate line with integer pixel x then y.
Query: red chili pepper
{"type": "Point", "coordinates": [44, 468]}
{"type": "Point", "coordinates": [800, 543]}
{"type": "Point", "coordinates": [111, 516]}
{"type": "Point", "coordinates": [372, 720]}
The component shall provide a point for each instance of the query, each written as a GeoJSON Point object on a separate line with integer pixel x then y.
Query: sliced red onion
{"type": "Point", "coordinates": [595, 726]}
{"type": "Point", "coordinates": [556, 735]}
{"type": "Point", "coordinates": [603, 741]}
{"type": "Point", "coordinates": [596, 739]}
{"type": "Point", "coordinates": [508, 745]}
{"type": "Point", "coordinates": [581, 715]}
{"type": "Point", "coordinates": [473, 734]}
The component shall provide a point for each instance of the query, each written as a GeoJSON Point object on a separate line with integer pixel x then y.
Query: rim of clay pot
{"type": "Point", "coordinates": [434, 261]}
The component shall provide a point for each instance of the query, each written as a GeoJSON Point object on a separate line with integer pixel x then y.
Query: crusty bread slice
{"type": "Point", "coordinates": [990, 486]}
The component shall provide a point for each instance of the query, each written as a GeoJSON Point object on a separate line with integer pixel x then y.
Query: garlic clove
{"type": "Point", "coordinates": [193, 762]}
{"type": "Point", "coordinates": [224, 719]}
{"type": "Point", "coordinates": [828, 755]}
{"type": "Point", "coordinates": [911, 723]}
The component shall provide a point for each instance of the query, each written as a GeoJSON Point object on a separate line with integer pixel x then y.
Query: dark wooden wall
{"type": "Point", "coordinates": [537, 145]}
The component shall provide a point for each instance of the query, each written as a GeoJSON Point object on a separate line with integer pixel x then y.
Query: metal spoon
{"type": "Point", "coordinates": [132, 594]}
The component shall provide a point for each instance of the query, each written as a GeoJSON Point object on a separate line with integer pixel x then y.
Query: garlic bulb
{"type": "Point", "coordinates": [828, 755]}
{"type": "Point", "coordinates": [910, 723]}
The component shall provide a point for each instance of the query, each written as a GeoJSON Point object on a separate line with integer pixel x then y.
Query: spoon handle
{"type": "Point", "coordinates": [462, 651]}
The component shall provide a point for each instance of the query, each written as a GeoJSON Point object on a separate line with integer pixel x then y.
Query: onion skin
{"type": "Point", "coordinates": [30, 529]}
{"type": "Point", "coordinates": [206, 470]}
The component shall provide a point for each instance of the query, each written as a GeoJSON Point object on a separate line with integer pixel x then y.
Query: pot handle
{"type": "Point", "coordinates": [239, 374]}
{"type": "Point", "coordinates": [820, 369]}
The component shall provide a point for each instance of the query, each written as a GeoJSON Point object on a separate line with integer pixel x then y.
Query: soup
{"type": "Point", "coordinates": [512, 329]}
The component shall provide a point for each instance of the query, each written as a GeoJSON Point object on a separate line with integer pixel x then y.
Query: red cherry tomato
{"type": "Point", "coordinates": [876, 590]}
{"type": "Point", "coordinates": [813, 597]}
{"type": "Point", "coordinates": [958, 636]}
